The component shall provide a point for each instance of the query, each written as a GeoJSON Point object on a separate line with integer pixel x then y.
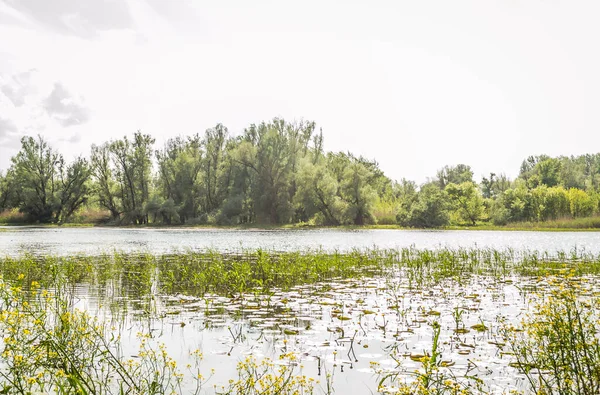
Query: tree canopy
{"type": "Point", "coordinates": [277, 172]}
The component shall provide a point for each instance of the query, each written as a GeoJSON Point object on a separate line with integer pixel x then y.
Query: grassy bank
{"type": "Point", "coordinates": [558, 226]}
{"type": "Point", "coordinates": [97, 218]}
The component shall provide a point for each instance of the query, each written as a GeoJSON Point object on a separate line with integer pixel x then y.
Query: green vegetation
{"type": "Point", "coordinates": [277, 173]}
{"type": "Point", "coordinates": [52, 345]}
{"type": "Point", "coordinates": [560, 338]}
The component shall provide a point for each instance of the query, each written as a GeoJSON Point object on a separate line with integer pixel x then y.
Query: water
{"type": "Point", "coordinates": [325, 324]}
{"type": "Point", "coordinates": [345, 327]}
{"type": "Point", "coordinates": [66, 241]}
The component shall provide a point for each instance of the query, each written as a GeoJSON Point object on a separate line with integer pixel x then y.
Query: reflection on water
{"type": "Point", "coordinates": [348, 328]}
{"type": "Point", "coordinates": [66, 241]}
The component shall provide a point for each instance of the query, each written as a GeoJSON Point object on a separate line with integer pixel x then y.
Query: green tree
{"type": "Point", "coordinates": [34, 168]}
{"type": "Point", "coordinates": [572, 173]}
{"type": "Point", "coordinates": [454, 174]}
{"type": "Point", "coordinates": [269, 153]}
{"type": "Point", "coordinates": [317, 194]}
{"type": "Point", "coordinates": [214, 165]}
{"type": "Point", "coordinates": [406, 195]}
{"type": "Point", "coordinates": [358, 193]}
{"type": "Point", "coordinates": [7, 196]}
{"type": "Point", "coordinates": [73, 187]}
{"type": "Point", "coordinates": [105, 187]}
{"type": "Point", "coordinates": [466, 199]}
{"type": "Point", "coordinates": [430, 209]}
{"type": "Point", "coordinates": [180, 177]}
{"type": "Point", "coordinates": [487, 186]}
{"type": "Point", "coordinates": [514, 205]}
{"type": "Point", "coordinates": [546, 172]}
{"type": "Point", "coordinates": [580, 203]}
{"type": "Point", "coordinates": [557, 203]}
{"type": "Point", "coordinates": [132, 169]}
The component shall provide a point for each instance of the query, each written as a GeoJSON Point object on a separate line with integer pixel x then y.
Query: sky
{"type": "Point", "coordinates": [415, 85]}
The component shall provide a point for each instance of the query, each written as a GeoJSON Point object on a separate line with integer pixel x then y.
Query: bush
{"type": "Point", "coordinates": [499, 214]}
{"type": "Point", "coordinates": [12, 217]}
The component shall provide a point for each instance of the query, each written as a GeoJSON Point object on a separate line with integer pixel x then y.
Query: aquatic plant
{"type": "Point", "coordinates": [558, 349]}
{"type": "Point", "coordinates": [51, 347]}
{"type": "Point", "coordinates": [359, 299]}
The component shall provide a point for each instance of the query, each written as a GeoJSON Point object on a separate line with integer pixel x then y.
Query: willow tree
{"type": "Point", "coordinates": [132, 166]}
{"type": "Point", "coordinates": [73, 187]}
{"type": "Point", "coordinates": [215, 167]}
{"type": "Point", "coordinates": [357, 190]}
{"type": "Point", "coordinates": [270, 151]}
{"type": "Point", "coordinates": [179, 178]}
{"type": "Point", "coordinates": [105, 186]}
{"type": "Point", "coordinates": [34, 169]}
{"type": "Point", "coordinates": [317, 194]}
{"type": "Point", "coordinates": [46, 187]}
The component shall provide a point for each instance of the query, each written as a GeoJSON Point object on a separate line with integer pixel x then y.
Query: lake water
{"type": "Point", "coordinates": [65, 241]}
{"type": "Point", "coordinates": [355, 329]}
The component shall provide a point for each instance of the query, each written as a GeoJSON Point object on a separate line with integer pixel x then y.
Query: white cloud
{"type": "Point", "coordinates": [66, 109]}
{"type": "Point", "coordinates": [17, 87]}
{"type": "Point", "coordinates": [82, 18]}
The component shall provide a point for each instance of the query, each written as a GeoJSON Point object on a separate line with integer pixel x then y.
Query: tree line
{"type": "Point", "coordinates": [277, 172]}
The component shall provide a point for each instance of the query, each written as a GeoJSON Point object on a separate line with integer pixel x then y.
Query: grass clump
{"type": "Point", "coordinates": [559, 350]}
{"type": "Point", "coordinates": [51, 347]}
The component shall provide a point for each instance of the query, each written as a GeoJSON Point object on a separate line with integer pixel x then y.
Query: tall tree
{"type": "Point", "coordinates": [214, 167]}
{"type": "Point", "coordinates": [264, 151]}
{"type": "Point", "coordinates": [7, 198]}
{"type": "Point", "coordinates": [358, 193]}
{"type": "Point", "coordinates": [133, 165]}
{"type": "Point", "coordinates": [34, 168]}
{"type": "Point", "coordinates": [179, 174]}
{"type": "Point", "coordinates": [105, 187]}
{"type": "Point", "coordinates": [73, 188]}
{"type": "Point", "coordinates": [430, 209]}
{"type": "Point", "coordinates": [466, 200]}
{"type": "Point", "coordinates": [317, 194]}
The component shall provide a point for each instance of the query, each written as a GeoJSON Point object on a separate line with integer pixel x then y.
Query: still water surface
{"type": "Point", "coordinates": [65, 241]}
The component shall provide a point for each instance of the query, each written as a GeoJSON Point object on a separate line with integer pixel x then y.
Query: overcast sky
{"type": "Point", "coordinates": [415, 85]}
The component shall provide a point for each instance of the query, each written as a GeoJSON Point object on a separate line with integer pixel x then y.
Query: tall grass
{"type": "Point", "coordinates": [562, 223]}
{"type": "Point", "coordinates": [200, 273]}
{"type": "Point", "coordinates": [12, 217]}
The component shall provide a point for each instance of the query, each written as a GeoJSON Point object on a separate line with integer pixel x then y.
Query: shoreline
{"type": "Point", "coordinates": [259, 227]}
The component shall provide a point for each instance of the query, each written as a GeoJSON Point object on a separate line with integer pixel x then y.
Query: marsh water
{"type": "Point", "coordinates": [358, 330]}
{"type": "Point", "coordinates": [89, 241]}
